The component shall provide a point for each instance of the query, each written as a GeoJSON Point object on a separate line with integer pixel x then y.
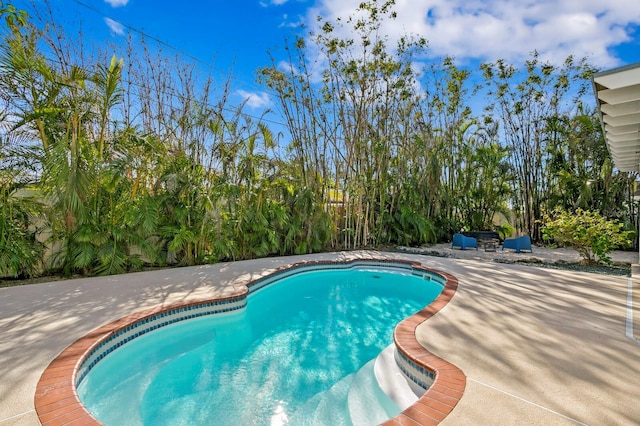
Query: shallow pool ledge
{"type": "Point", "coordinates": [56, 400]}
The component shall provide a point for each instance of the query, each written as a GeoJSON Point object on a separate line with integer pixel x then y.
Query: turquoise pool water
{"type": "Point", "coordinates": [291, 357]}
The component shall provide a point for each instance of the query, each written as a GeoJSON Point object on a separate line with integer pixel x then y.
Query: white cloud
{"type": "Point", "coordinates": [507, 29]}
{"type": "Point", "coordinates": [256, 100]}
{"type": "Point", "coordinates": [273, 3]}
{"type": "Point", "coordinates": [287, 23]}
{"type": "Point", "coordinates": [115, 26]}
{"type": "Point", "coordinates": [286, 67]}
{"type": "Point", "coordinates": [117, 3]}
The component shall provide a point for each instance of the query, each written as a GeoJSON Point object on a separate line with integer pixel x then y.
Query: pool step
{"type": "Point", "coordinates": [368, 404]}
{"type": "Point", "coordinates": [326, 408]}
{"type": "Point", "coordinates": [332, 409]}
{"type": "Point", "coordinates": [393, 382]}
{"type": "Point", "coordinates": [373, 394]}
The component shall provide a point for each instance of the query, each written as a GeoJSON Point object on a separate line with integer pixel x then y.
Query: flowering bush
{"type": "Point", "coordinates": [587, 232]}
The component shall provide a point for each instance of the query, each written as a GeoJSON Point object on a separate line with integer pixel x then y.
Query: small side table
{"type": "Point", "coordinates": [489, 245]}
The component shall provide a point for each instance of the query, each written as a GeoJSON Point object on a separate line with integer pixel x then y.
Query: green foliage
{"type": "Point", "coordinates": [587, 232]}
{"type": "Point", "coordinates": [505, 230]}
{"type": "Point", "coordinates": [582, 170]}
{"type": "Point", "coordinates": [14, 17]}
{"type": "Point", "coordinates": [20, 251]}
{"type": "Point", "coordinates": [159, 172]}
{"type": "Point", "coordinates": [535, 105]}
{"type": "Point", "coordinates": [308, 228]}
{"type": "Point", "coordinates": [484, 183]}
{"type": "Point", "coordinates": [409, 228]}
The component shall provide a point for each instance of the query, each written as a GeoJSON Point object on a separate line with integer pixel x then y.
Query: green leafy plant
{"type": "Point", "coordinates": [407, 227]}
{"type": "Point", "coordinates": [594, 237]}
{"type": "Point", "coordinates": [505, 230]}
{"type": "Point", "coordinates": [20, 251]}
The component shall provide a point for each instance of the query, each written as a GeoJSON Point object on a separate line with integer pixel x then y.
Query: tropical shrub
{"type": "Point", "coordinates": [407, 227]}
{"type": "Point", "coordinates": [20, 251]}
{"type": "Point", "coordinates": [504, 230]}
{"type": "Point", "coordinates": [591, 235]}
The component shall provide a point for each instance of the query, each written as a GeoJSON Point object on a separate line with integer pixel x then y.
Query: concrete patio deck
{"type": "Point", "coordinates": [538, 346]}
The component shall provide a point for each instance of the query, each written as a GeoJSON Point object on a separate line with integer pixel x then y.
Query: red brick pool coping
{"type": "Point", "coordinates": [57, 402]}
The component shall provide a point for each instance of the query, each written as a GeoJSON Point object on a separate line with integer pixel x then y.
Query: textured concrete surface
{"type": "Point", "coordinates": [539, 346]}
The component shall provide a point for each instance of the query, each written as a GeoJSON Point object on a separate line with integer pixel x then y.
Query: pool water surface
{"type": "Point", "coordinates": [299, 341]}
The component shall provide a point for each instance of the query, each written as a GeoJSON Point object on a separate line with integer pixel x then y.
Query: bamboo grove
{"type": "Point", "coordinates": [110, 164]}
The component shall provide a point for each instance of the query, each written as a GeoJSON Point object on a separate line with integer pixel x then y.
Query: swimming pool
{"type": "Point", "coordinates": [293, 354]}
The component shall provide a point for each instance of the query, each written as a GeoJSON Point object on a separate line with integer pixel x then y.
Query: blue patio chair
{"type": "Point", "coordinates": [463, 242]}
{"type": "Point", "coordinates": [518, 244]}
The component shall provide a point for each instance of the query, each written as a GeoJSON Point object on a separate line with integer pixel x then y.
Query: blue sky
{"type": "Point", "coordinates": [234, 36]}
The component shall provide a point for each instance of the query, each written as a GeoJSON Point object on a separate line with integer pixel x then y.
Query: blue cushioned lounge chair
{"type": "Point", "coordinates": [518, 244]}
{"type": "Point", "coordinates": [463, 242]}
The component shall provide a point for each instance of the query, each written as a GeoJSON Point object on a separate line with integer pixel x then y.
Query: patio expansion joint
{"type": "Point", "coordinates": [15, 416]}
{"type": "Point", "coordinates": [512, 395]}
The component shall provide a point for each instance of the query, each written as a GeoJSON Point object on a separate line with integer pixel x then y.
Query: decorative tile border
{"type": "Point", "coordinates": [57, 402]}
{"type": "Point", "coordinates": [419, 376]}
{"type": "Point", "coordinates": [142, 327]}
{"type": "Point", "coordinates": [303, 267]}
